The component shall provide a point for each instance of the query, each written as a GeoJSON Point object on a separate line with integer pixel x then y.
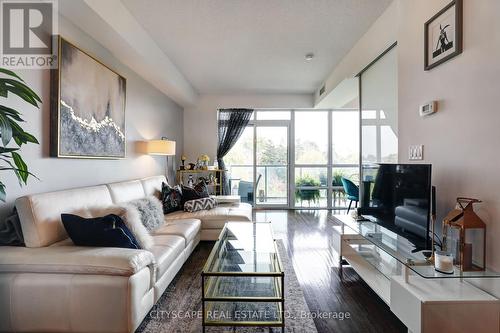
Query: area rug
{"type": "Point", "coordinates": [179, 309]}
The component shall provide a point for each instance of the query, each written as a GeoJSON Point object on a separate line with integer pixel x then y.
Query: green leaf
{"type": "Point", "coordinates": [30, 138]}
{"type": "Point", "coordinates": [20, 136]}
{"type": "Point", "coordinates": [21, 166]}
{"type": "Point", "coordinates": [11, 73]}
{"type": "Point", "coordinates": [22, 91]}
{"type": "Point", "coordinates": [3, 195]}
{"type": "Point", "coordinates": [13, 168]}
{"type": "Point", "coordinates": [7, 150]}
{"type": "Point", "coordinates": [3, 90]}
{"type": "Point", "coordinates": [5, 130]}
{"type": "Point", "coordinates": [10, 129]}
{"type": "Point", "coordinates": [24, 87]}
{"type": "Point", "coordinates": [16, 171]}
{"type": "Point", "coordinates": [11, 113]}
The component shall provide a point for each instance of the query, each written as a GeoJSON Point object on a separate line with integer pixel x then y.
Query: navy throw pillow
{"type": "Point", "coordinates": [106, 231]}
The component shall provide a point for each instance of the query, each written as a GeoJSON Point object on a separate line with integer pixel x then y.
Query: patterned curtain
{"type": "Point", "coordinates": [231, 124]}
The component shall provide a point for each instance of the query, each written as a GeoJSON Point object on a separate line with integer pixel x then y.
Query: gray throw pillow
{"type": "Point", "coordinates": [150, 211]}
{"type": "Point", "coordinates": [199, 204]}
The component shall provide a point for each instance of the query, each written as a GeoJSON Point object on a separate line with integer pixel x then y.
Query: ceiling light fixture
{"type": "Point", "coordinates": [309, 56]}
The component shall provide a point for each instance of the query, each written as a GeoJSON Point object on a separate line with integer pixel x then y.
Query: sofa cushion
{"type": "Point", "coordinates": [167, 248]}
{"type": "Point", "coordinates": [40, 214]}
{"type": "Point", "coordinates": [126, 191]}
{"type": "Point", "coordinates": [105, 231]}
{"type": "Point", "coordinates": [70, 259]}
{"type": "Point", "coordinates": [217, 217]}
{"type": "Point", "coordinates": [187, 229]}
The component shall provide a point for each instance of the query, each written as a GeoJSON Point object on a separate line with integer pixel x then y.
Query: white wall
{"type": "Point", "coordinates": [200, 121]}
{"type": "Point", "coordinates": [461, 140]}
{"type": "Point", "coordinates": [381, 35]}
{"type": "Point", "coordinates": [149, 114]}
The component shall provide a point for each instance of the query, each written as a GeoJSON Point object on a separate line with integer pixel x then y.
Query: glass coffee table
{"type": "Point", "coordinates": [243, 278]}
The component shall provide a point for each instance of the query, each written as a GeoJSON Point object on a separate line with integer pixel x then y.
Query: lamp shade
{"type": "Point", "coordinates": [159, 147]}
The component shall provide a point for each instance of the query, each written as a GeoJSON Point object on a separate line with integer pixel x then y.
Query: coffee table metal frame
{"type": "Point", "coordinates": [278, 276]}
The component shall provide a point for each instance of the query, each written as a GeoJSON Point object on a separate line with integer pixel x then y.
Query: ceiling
{"type": "Point", "coordinates": [255, 46]}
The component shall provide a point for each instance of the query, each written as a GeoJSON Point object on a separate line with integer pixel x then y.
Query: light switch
{"type": "Point", "coordinates": [416, 152]}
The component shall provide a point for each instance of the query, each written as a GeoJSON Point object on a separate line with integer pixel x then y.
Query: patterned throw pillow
{"type": "Point", "coordinates": [171, 198]}
{"type": "Point", "coordinates": [199, 191]}
{"type": "Point", "coordinates": [199, 204]}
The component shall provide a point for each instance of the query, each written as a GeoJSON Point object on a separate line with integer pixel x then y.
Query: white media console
{"type": "Point", "coordinates": [423, 299]}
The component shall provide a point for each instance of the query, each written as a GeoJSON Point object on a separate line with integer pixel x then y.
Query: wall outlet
{"type": "Point", "coordinates": [416, 152]}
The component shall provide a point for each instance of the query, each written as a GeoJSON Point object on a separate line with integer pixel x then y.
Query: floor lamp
{"type": "Point", "coordinates": [162, 147]}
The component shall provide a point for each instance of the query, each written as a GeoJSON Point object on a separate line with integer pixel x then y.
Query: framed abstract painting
{"type": "Point", "coordinates": [87, 107]}
{"type": "Point", "coordinates": [443, 35]}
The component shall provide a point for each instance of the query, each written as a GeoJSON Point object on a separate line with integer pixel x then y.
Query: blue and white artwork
{"type": "Point", "coordinates": [91, 107]}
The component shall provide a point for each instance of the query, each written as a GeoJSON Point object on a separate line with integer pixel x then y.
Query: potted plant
{"type": "Point", "coordinates": [305, 194]}
{"type": "Point", "coordinates": [337, 178]}
{"type": "Point", "coordinates": [12, 134]}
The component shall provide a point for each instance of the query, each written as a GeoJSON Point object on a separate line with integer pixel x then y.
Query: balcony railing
{"type": "Point", "coordinates": [271, 183]}
{"type": "Point", "coordinates": [272, 187]}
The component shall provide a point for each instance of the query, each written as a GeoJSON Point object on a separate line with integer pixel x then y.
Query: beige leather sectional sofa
{"type": "Point", "coordinates": [52, 285]}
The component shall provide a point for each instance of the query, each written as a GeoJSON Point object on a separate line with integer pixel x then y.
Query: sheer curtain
{"type": "Point", "coordinates": [231, 124]}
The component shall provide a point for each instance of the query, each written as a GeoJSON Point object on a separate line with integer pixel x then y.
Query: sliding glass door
{"type": "Point", "coordinates": [311, 159]}
{"type": "Point", "coordinates": [379, 112]}
{"type": "Point", "coordinates": [345, 154]}
{"type": "Point", "coordinates": [271, 168]}
{"type": "Point", "coordinates": [258, 164]}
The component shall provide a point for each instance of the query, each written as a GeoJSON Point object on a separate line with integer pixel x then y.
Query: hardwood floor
{"type": "Point", "coordinates": [307, 235]}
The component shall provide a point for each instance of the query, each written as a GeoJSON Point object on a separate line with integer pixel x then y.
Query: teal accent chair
{"type": "Point", "coordinates": [352, 192]}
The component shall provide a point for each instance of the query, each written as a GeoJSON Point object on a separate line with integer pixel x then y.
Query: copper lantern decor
{"type": "Point", "coordinates": [471, 235]}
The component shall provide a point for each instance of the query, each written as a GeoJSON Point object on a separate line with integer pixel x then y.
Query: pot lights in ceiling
{"type": "Point", "coordinates": [309, 56]}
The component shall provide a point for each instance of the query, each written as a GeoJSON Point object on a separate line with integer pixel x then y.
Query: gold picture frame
{"type": "Point", "coordinates": [88, 103]}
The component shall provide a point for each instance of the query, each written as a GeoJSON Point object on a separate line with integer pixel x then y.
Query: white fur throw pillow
{"type": "Point", "coordinates": [132, 219]}
{"type": "Point", "coordinates": [151, 212]}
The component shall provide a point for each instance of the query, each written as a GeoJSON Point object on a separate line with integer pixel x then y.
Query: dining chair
{"type": "Point", "coordinates": [352, 191]}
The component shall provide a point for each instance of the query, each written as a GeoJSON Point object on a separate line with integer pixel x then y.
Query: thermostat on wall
{"type": "Point", "coordinates": [428, 109]}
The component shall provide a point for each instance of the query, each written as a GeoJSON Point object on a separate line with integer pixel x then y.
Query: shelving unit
{"type": "Point", "coordinates": [214, 188]}
{"type": "Point", "coordinates": [423, 299]}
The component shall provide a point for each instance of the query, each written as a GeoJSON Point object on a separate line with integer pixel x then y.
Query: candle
{"type": "Point", "coordinates": [443, 262]}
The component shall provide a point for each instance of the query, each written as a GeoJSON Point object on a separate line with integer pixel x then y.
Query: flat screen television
{"type": "Point", "coordinates": [398, 196]}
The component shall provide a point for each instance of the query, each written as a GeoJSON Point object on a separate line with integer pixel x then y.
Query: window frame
{"type": "Point", "coordinates": [292, 165]}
